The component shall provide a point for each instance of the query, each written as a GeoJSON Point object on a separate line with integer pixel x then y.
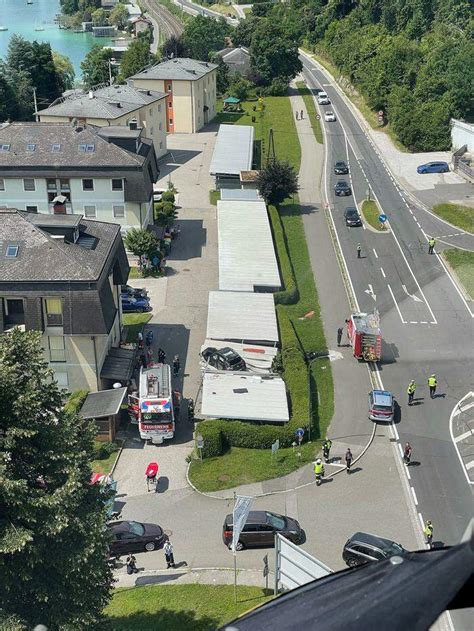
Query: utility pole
{"type": "Point", "coordinates": [36, 104]}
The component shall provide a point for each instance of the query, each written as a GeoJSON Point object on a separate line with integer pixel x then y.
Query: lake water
{"type": "Point", "coordinates": [22, 18]}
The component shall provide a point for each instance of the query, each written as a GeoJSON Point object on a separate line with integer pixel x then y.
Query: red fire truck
{"type": "Point", "coordinates": [363, 330]}
{"type": "Point", "coordinates": [152, 406]}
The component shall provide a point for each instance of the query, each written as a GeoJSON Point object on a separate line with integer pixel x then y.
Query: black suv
{"type": "Point", "coordinates": [363, 547]}
{"type": "Point", "coordinates": [260, 529]}
{"type": "Point", "coordinates": [352, 217]}
{"type": "Point", "coordinates": [342, 188]}
{"type": "Point", "coordinates": [223, 358]}
{"type": "Point", "coordinates": [341, 168]}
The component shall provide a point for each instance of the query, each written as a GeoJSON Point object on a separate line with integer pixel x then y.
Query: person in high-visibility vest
{"type": "Point", "coordinates": [411, 391]}
{"type": "Point", "coordinates": [318, 471]}
{"type": "Point", "coordinates": [428, 532]}
{"type": "Point", "coordinates": [326, 448]}
{"type": "Point", "coordinates": [431, 244]}
{"type": "Point", "coordinates": [432, 382]}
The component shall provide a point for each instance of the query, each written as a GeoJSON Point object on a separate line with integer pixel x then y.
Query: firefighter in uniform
{"type": "Point", "coordinates": [326, 448]}
{"type": "Point", "coordinates": [318, 471]}
{"type": "Point", "coordinates": [411, 391]}
{"type": "Point", "coordinates": [428, 532]}
{"type": "Point", "coordinates": [432, 384]}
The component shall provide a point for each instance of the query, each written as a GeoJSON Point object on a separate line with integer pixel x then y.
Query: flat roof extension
{"type": "Point", "coordinates": [233, 151]}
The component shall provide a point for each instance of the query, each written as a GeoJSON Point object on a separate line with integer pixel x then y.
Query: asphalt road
{"type": "Point", "coordinates": [427, 326]}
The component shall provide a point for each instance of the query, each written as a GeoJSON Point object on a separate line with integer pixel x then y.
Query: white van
{"type": "Point", "coordinates": [323, 98]}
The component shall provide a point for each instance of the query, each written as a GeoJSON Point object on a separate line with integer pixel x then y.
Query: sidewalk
{"type": "Point", "coordinates": [427, 189]}
{"type": "Point", "coordinates": [183, 576]}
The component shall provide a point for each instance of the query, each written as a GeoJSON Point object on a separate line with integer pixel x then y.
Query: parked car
{"type": "Point", "coordinates": [223, 358]}
{"type": "Point", "coordinates": [381, 405]}
{"type": "Point", "coordinates": [342, 188]}
{"type": "Point", "coordinates": [323, 98]}
{"type": "Point", "coordinates": [134, 305]}
{"type": "Point", "coordinates": [341, 168]}
{"type": "Point", "coordinates": [329, 116]}
{"type": "Point", "coordinates": [352, 217]}
{"type": "Point", "coordinates": [133, 536]}
{"type": "Point", "coordinates": [158, 194]}
{"type": "Point", "coordinates": [363, 547]}
{"type": "Point", "coordinates": [260, 529]}
{"type": "Point", "coordinates": [433, 167]}
{"type": "Point", "coordinates": [134, 292]}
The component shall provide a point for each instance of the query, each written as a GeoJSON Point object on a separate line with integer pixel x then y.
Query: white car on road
{"type": "Point", "coordinates": [329, 117]}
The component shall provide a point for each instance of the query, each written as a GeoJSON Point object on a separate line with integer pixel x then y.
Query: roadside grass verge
{"type": "Point", "coordinates": [225, 9]}
{"type": "Point", "coordinates": [133, 324]}
{"type": "Point", "coordinates": [193, 607]}
{"type": "Point", "coordinates": [105, 464]}
{"type": "Point", "coordinates": [214, 197]}
{"type": "Point", "coordinates": [462, 263]}
{"type": "Point", "coordinates": [236, 452]}
{"type": "Point", "coordinates": [371, 213]}
{"type": "Point", "coordinates": [357, 99]}
{"type": "Point", "coordinates": [458, 215]}
{"type": "Point", "coordinates": [311, 109]}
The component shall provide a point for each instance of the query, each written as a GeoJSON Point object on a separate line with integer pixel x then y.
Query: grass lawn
{"type": "Point", "coordinates": [458, 215]}
{"type": "Point", "coordinates": [134, 323]}
{"type": "Point", "coordinates": [311, 109]}
{"type": "Point", "coordinates": [135, 273]}
{"type": "Point", "coordinates": [214, 197]}
{"type": "Point", "coordinates": [105, 464]}
{"type": "Point", "coordinates": [371, 213]}
{"type": "Point", "coordinates": [462, 263]}
{"type": "Point", "coordinates": [299, 334]}
{"type": "Point", "coordinates": [179, 607]}
{"type": "Point", "coordinates": [225, 9]}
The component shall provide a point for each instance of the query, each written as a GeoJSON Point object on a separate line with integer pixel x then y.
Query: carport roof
{"type": "Point", "coordinates": [242, 316]}
{"type": "Point", "coordinates": [244, 396]}
{"type": "Point", "coordinates": [233, 151]}
{"type": "Point", "coordinates": [247, 259]}
{"type": "Point", "coordinates": [118, 364]}
{"type": "Point", "coordinates": [103, 403]}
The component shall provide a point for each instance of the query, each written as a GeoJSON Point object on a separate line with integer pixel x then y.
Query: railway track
{"type": "Point", "coordinates": [168, 24]}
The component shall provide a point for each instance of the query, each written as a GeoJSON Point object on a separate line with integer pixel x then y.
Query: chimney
{"type": "Point", "coordinates": [133, 124]}
{"type": "Point", "coordinates": [91, 94]}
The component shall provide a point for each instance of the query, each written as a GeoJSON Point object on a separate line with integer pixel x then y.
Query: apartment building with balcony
{"type": "Point", "coordinates": [103, 173]}
{"type": "Point", "coordinates": [61, 275]}
{"type": "Point", "coordinates": [107, 105]}
{"type": "Point", "coordinates": [190, 88]}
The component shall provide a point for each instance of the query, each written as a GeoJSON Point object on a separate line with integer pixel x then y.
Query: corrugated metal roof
{"type": "Point", "coordinates": [233, 151]}
{"type": "Point", "coordinates": [244, 396]}
{"type": "Point", "coordinates": [249, 194]}
{"type": "Point", "coordinates": [247, 258]}
{"type": "Point", "coordinates": [243, 317]}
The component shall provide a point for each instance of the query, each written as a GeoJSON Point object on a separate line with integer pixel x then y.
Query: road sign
{"type": "Point", "coordinates": [318, 117]}
{"type": "Point", "coordinates": [275, 446]}
{"type": "Point", "coordinates": [380, 112]}
{"type": "Point", "coordinates": [382, 218]}
{"type": "Point", "coordinates": [300, 432]}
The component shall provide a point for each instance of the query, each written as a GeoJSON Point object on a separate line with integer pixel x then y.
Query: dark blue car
{"type": "Point", "coordinates": [433, 167]}
{"type": "Point", "coordinates": [137, 304]}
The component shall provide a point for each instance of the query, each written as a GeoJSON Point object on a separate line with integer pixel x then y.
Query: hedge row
{"type": "Point", "coordinates": [75, 401]}
{"type": "Point", "coordinates": [289, 295]}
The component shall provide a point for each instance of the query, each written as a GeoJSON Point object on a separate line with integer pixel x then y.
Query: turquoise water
{"type": "Point", "coordinates": [22, 18]}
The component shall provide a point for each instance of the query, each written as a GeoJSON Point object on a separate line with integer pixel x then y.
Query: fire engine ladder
{"type": "Point", "coordinates": [152, 385]}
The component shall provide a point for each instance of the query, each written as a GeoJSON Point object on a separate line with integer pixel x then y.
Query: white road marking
{"type": "Point", "coordinates": [408, 473]}
{"type": "Point", "coordinates": [383, 273]}
{"type": "Point", "coordinates": [396, 305]}
{"type": "Point", "coordinates": [376, 255]}
{"type": "Point", "coordinates": [458, 439]}
{"type": "Point", "coordinates": [470, 465]}
{"type": "Point", "coordinates": [420, 516]}
{"type": "Point", "coordinates": [456, 410]}
{"type": "Point", "coordinates": [423, 322]}
{"type": "Point", "coordinates": [370, 291]}
{"type": "Point", "coordinates": [415, 298]}
{"type": "Point", "coordinates": [413, 321]}
{"type": "Point", "coordinates": [415, 499]}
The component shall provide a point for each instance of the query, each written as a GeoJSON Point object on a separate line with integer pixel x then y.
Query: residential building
{"type": "Point", "coordinates": [114, 105]}
{"type": "Point", "coordinates": [140, 24]}
{"type": "Point", "coordinates": [104, 173]}
{"type": "Point", "coordinates": [61, 275]}
{"type": "Point", "coordinates": [190, 88]}
{"type": "Point", "coordinates": [237, 60]}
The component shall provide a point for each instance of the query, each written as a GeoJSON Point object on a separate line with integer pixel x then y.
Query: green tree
{"type": "Point", "coordinates": [136, 57]}
{"type": "Point", "coordinates": [222, 76]}
{"type": "Point", "coordinates": [203, 35]}
{"type": "Point", "coordinates": [140, 241]}
{"type": "Point", "coordinates": [119, 16]}
{"type": "Point", "coordinates": [9, 106]}
{"type": "Point", "coordinates": [64, 71]}
{"type": "Point", "coordinates": [240, 88]}
{"type": "Point", "coordinates": [172, 47]}
{"type": "Point", "coordinates": [272, 54]}
{"type": "Point", "coordinates": [165, 213]}
{"type": "Point", "coordinates": [99, 17]}
{"type": "Point", "coordinates": [242, 35]}
{"type": "Point", "coordinates": [277, 181]}
{"type": "Point", "coordinates": [96, 65]}
{"type": "Point", "coordinates": [52, 537]}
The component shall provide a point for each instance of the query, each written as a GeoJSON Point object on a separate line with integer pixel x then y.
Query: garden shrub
{"type": "Point", "coordinates": [103, 450]}
{"type": "Point", "coordinates": [168, 196]}
{"type": "Point", "coordinates": [75, 401]}
{"type": "Point", "coordinates": [213, 439]}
